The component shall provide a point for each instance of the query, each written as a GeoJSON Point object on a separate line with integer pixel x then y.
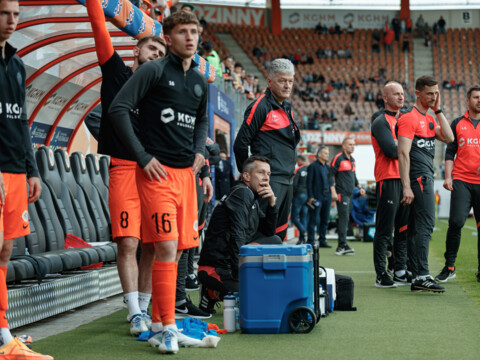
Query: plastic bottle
{"type": "Point", "coordinates": [237, 310]}
{"type": "Point", "coordinates": [229, 313]}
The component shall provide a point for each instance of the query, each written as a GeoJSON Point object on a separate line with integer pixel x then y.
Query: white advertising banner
{"type": "Point", "coordinates": [358, 18]}
{"type": "Point", "coordinates": [230, 15]}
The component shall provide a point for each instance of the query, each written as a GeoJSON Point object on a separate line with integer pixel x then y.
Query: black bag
{"type": "Point", "coordinates": [344, 301]}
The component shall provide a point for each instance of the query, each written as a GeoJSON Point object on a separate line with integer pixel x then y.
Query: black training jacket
{"type": "Point", "coordinates": [269, 129]}
{"type": "Point", "coordinates": [234, 222]}
{"type": "Point", "coordinates": [16, 153]}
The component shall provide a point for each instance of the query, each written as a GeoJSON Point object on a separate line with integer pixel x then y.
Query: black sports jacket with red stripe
{"type": "Point", "coordinates": [269, 130]}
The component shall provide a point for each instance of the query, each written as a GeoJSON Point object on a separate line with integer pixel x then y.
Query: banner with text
{"type": "Point", "coordinates": [230, 15]}
{"type": "Point", "coordinates": [359, 19]}
{"type": "Point", "coordinates": [336, 137]}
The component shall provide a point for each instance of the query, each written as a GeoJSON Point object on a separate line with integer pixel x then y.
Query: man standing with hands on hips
{"type": "Point", "coordinates": [417, 132]}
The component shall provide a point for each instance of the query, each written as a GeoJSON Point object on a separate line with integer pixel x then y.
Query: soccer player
{"type": "Point", "coordinates": [417, 132]}
{"type": "Point", "coordinates": [462, 159]}
{"type": "Point", "coordinates": [124, 202]}
{"type": "Point", "coordinates": [270, 130]}
{"type": "Point", "coordinates": [169, 150]}
{"type": "Point", "coordinates": [391, 215]}
{"type": "Point", "coordinates": [344, 178]}
{"type": "Point", "coordinates": [17, 167]}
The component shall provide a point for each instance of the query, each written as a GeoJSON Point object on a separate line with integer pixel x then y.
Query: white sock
{"type": "Point", "coordinates": [144, 300]}
{"type": "Point", "coordinates": [400, 272]}
{"type": "Point", "coordinates": [157, 327]}
{"type": "Point", "coordinates": [131, 299]}
{"type": "Point", "coordinates": [171, 327]}
{"type": "Point", "coordinates": [181, 302]}
{"type": "Point", "coordinates": [5, 336]}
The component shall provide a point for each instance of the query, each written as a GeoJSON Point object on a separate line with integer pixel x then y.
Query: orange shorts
{"type": "Point", "coordinates": [14, 213]}
{"type": "Point", "coordinates": [169, 208]}
{"type": "Point", "coordinates": [123, 199]}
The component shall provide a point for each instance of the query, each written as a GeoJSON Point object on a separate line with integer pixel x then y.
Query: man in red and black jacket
{"type": "Point", "coordinates": [342, 175]}
{"type": "Point", "coordinates": [417, 132]}
{"type": "Point", "coordinates": [465, 187]}
{"type": "Point", "coordinates": [270, 130]}
{"type": "Point", "coordinates": [391, 215]}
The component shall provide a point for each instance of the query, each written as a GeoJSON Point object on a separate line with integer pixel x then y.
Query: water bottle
{"type": "Point", "coordinates": [237, 310]}
{"type": "Point", "coordinates": [229, 313]}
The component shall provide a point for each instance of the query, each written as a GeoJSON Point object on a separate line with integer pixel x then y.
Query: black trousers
{"type": "Point", "coordinates": [391, 218]}
{"type": "Point", "coordinates": [421, 222]}
{"type": "Point", "coordinates": [464, 196]}
{"type": "Point", "coordinates": [284, 194]}
{"type": "Point", "coordinates": [220, 279]}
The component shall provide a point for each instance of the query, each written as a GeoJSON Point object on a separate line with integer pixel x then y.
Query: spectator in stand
{"type": "Point", "coordinates": [396, 28]}
{"type": "Point", "coordinates": [187, 7]}
{"type": "Point", "coordinates": [408, 23]}
{"type": "Point", "coordinates": [348, 110]}
{"type": "Point", "coordinates": [338, 29]}
{"type": "Point", "coordinates": [248, 86]}
{"type": "Point", "coordinates": [227, 68]}
{"type": "Point", "coordinates": [328, 53]}
{"type": "Point", "coordinates": [435, 28]}
{"type": "Point", "coordinates": [428, 39]}
{"type": "Point", "coordinates": [319, 28]}
{"type": "Point", "coordinates": [299, 213]}
{"type": "Point", "coordinates": [441, 25]}
{"type": "Point", "coordinates": [388, 38]}
{"type": "Point", "coordinates": [376, 41]}
{"type": "Point", "coordinates": [237, 75]}
{"type": "Point", "coordinates": [320, 53]}
{"type": "Point", "coordinates": [369, 96]}
{"type": "Point", "coordinates": [406, 42]}
{"type": "Point", "coordinates": [379, 100]}
{"type": "Point", "coordinates": [350, 29]}
{"type": "Point", "coordinates": [420, 24]}
{"type": "Point", "coordinates": [213, 58]}
{"type": "Point", "coordinates": [354, 96]}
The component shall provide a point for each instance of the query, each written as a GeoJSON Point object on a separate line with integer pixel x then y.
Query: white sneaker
{"type": "Point", "coordinates": [169, 344]}
{"type": "Point", "coordinates": [155, 338]}
{"type": "Point", "coordinates": [137, 325]}
{"type": "Point", "coordinates": [147, 319]}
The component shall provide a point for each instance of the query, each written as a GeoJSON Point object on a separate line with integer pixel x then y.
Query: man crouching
{"type": "Point", "coordinates": [237, 220]}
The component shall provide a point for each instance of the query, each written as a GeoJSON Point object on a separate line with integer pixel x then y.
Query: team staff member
{"type": "Point", "coordinates": [344, 178]}
{"type": "Point", "coordinates": [299, 213]}
{"type": "Point", "coordinates": [269, 130]}
{"type": "Point", "coordinates": [417, 132]}
{"type": "Point", "coordinates": [237, 220]}
{"type": "Point", "coordinates": [461, 160]}
{"type": "Point", "coordinates": [123, 200]}
{"type": "Point", "coordinates": [319, 190]}
{"type": "Point", "coordinates": [172, 99]}
{"type": "Point", "coordinates": [17, 167]}
{"type": "Point", "coordinates": [391, 216]}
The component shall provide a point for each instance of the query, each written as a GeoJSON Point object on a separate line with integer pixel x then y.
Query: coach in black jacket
{"type": "Point", "coordinates": [237, 220]}
{"type": "Point", "coordinates": [269, 130]}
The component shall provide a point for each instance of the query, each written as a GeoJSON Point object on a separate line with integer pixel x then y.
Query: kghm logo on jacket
{"type": "Point", "coordinates": [425, 143]}
{"type": "Point", "coordinates": [470, 142]}
{"type": "Point", "coordinates": [184, 120]}
{"type": "Point", "coordinates": [11, 110]}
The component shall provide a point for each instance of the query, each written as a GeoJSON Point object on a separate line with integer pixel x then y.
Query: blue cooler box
{"type": "Point", "coordinates": [274, 280]}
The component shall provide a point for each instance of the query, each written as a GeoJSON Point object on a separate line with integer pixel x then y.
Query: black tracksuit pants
{"type": "Point", "coordinates": [421, 222]}
{"type": "Point", "coordinates": [391, 217]}
{"type": "Point", "coordinates": [464, 196]}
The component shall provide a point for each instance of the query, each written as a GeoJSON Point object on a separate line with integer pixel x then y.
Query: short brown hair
{"type": "Point", "coordinates": [179, 17]}
{"type": "Point", "coordinates": [472, 89]}
{"type": "Point", "coordinates": [424, 81]}
{"type": "Point", "coordinates": [154, 38]}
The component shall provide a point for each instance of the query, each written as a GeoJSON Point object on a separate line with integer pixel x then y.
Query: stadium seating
{"type": "Point", "coordinates": [367, 68]}
{"type": "Point", "coordinates": [63, 208]}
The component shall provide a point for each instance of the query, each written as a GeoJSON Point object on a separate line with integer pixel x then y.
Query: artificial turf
{"type": "Point", "coordinates": [389, 323]}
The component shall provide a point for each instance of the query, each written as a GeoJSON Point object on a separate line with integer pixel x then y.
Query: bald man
{"type": "Point", "coordinates": [391, 215]}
